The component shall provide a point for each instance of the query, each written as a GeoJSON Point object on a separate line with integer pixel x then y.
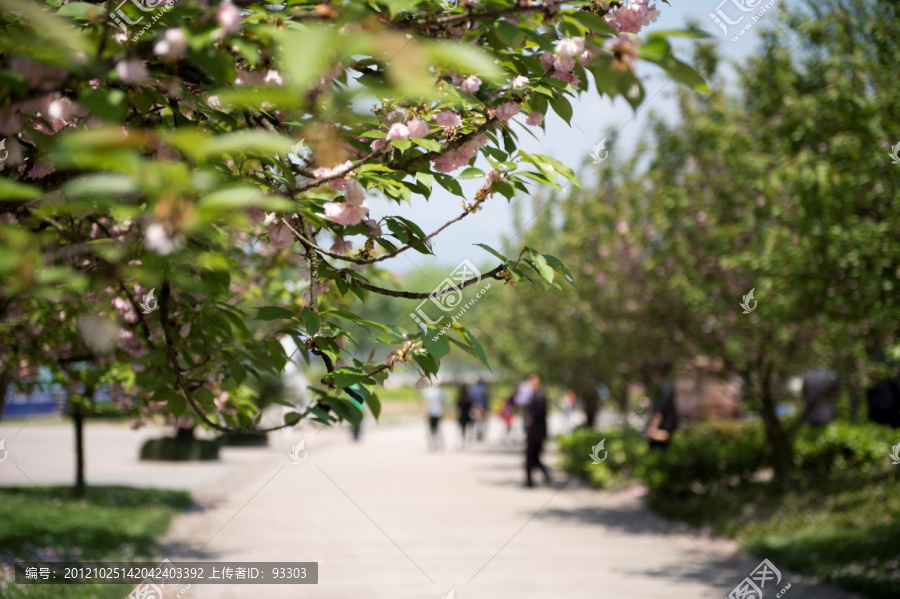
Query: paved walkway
{"type": "Point", "coordinates": [385, 518]}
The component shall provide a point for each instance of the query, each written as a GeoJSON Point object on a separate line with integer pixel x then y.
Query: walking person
{"type": "Point", "coordinates": [664, 420]}
{"type": "Point", "coordinates": [481, 402]}
{"type": "Point", "coordinates": [507, 414]}
{"type": "Point", "coordinates": [434, 408]}
{"type": "Point", "coordinates": [535, 430]}
{"type": "Point", "coordinates": [464, 411]}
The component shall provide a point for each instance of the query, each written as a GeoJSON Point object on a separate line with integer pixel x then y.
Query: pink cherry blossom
{"type": "Point", "coordinates": [492, 176]}
{"type": "Point", "coordinates": [378, 144]}
{"type": "Point", "coordinates": [355, 193]}
{"type": "Point", "coordinates": [274, 77]}
{"type": "Point", "coordinates": [520, 81]}
{"type": "Point", "coordinates": [343, 213]}
{"type": "Point", "coordinates": [417, 128]}
{"type": "Point", "coordinates": [376, 228]}
{"type": "Point", "coordinates": [570, 47]}
{"type": "Point", "coordinates": [341, 246]}
{"type": "Point", "coordinates": [448, 119]}
{"type": "Point", "coordinates": [229, 17]}
{"type": "Point", "coordinates": [630, 18]}
{"type": "Point", "coordinates": [398, 131]}
{"type": "Point", "coordinates": [471, 84]}
{"type": "Point", "coordinates": [131, 71]}
{"type": "Point", "coordinates": [507, 111]}
{"type": "Point", "coordinates": [624, 49]}
{"type": "Point", "coordinates": [534, 119]}
{"type": "Point", "coordinates": [280, 236]}
{"type": "Point", "coordinates": [172, 44]}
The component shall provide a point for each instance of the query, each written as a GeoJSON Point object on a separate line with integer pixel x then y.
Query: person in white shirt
{"type": "Point", "coordinates": [434, 407]}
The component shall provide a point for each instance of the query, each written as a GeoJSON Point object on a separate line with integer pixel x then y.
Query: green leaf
{"type": "Point", "coordinates": [561, 268]}
{"type": "Point", "coordinates": [562, 107]}
{"type": "Point", "coordinates": [374, 405]}
{"type": "Point", "coordinates": [470, 173]}
{"type": "Point", "coordinates": [244, 196]}
{"type": "Point", "coordinates": [435, 343]}
{"type": "Point", "coordinates": [473, 343]}
{"type": "Point", "coordinates": [450, 184]}
{"type": "Point", "coordinates": [13, 190]}
{"type": "Point", "coordinates": [542, 267]}
{"type": "Point", "coordinates": [108, 104]}
{"type": "Point", "coordinates": [493, 251]}
{"type": "Point", "coordinates": [345, 377]}
{"type": "Point", "coordinates": [312, 321]}
{"type": "Point", "coordinates": [291, 418]}
{"type": "Point", "coordinates": [177, 404]}
{"type": "Point", "coordinates": [429, 144]}
{"type": "Point", "coordinates": [274, 313]}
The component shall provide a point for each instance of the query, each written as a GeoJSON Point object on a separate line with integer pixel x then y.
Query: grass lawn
{"type": "Point", "coordinates": [111, 523]}
{"type": "Point", "coordinates": [842, 528]}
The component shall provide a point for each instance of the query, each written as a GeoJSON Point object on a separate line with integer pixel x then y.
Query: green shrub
{"type": "Point", "coordinates": [172, 449]}
{"type": "Point", "coordinates": [239, 440]}
{"type": "Point", "coordinates": [708, 454]}
{"type": "Point", "coordinates": [624, 452]}
{"type": "Point", "coordinates": [844, 445]}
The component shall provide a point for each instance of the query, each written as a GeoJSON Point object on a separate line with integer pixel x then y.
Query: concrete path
{"type": "Point", "coordinates": [385, 518]}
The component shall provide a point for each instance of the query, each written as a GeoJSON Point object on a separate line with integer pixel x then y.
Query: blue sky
{"type": "Point", "coordinates": [593, 118]}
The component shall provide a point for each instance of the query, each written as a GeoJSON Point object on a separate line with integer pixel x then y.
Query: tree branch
{"type": "Point", "coordinates": [492, 274]}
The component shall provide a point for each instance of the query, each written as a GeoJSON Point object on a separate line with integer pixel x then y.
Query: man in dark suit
{"type": "Point", "coordinates": [665, 417]}
{"type": "Point", "coordinates": [535, 430]}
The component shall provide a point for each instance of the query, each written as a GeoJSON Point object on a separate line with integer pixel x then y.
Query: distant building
{"type": "Point", "coordinates": [701, 392]}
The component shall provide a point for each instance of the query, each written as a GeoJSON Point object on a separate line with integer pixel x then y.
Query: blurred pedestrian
{"type": "Point", "coordinates": [820, 394]}
{"type": "Point", "coordinates": [481, 402]}
{"type": "Point", "coordinates": [507, 414]}
{"type": "Point", "coordinates": [464, 412]}
{"type": "Point", "coordinates": [664, 419]}
{"type": "Point", "coordinates": [570, 398]}
{"type": "Point", "coordinates": [434, 408]}
{"type": "Point", "coordinates": [535, 430]}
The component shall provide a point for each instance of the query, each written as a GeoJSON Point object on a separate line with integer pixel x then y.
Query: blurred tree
{"type": "Point", "coordinates": [786, 190]}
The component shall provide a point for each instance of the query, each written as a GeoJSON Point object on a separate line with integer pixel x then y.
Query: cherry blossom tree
{"type": "Point", "coordinates": [222, 156]}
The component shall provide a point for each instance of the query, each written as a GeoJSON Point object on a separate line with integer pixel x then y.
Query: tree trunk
{"type": "Point", "coordinates": [853, 392]}
{"type": "Point", "coordinates": [78, 419]}
{"type": "Point", "coordinates": [184, 435]}
{"type": "Point", "coordinates": [591, 402]}
{"type": "Point", "coordinates": [5, 380]}
{"type": "Point", "coordinates": [622, 402]}
{"type": "Point", "coordinates": [779, 441]}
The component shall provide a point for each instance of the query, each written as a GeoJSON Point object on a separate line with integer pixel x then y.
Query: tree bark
{"type": "Point", "coordinates": [779, 441]}
{"type": "Point", "coordinates": [5, 380]}
{"type": "Point", "coordinates": [78, 419]}
{"type": "Point", "coordinates": [591, 402]}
